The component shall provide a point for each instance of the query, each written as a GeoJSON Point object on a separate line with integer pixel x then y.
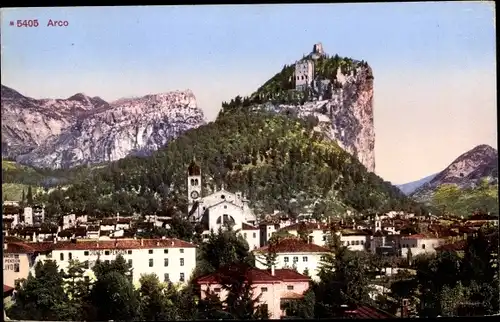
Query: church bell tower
{"type": "Point", "coordinates": [193, 184]}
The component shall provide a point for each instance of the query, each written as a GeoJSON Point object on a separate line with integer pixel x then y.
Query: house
{"type": "Point", "coordinates": [19, 259]}
{"type": "Point", "coordinates": [420, 244]}
{"type": "Point", "coordinates": [171, 259]}
{"type": "Point", "coordinates": [276, 286]}
{"type": "Point", "coordinates": [293, 253]}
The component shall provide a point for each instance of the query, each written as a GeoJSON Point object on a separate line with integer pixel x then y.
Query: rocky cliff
{"type": "Point", "coordinates": [466, 171]}
{"type": "Point", "coordinates": [61, 133]}
{"type": "Point", "coordinates": [339, 102]}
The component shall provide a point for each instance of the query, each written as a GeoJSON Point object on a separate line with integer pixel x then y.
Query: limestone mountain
{"type": "Point", "coordinates": [62, 133]}
{"type": "Point", "coordinates": [334, 93]}
{"type": "Point", "coordinates": [466, 171]}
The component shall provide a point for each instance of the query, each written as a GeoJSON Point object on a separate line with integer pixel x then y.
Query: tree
{"type": "Point", "coordinates": [29, 197]}
{"type": "Point", "coordinates": [40, 297]}
{"type": "Point", "coordinates": [344, 280]}
{"type": "Point", "coordinates": [77, 287]}
{"type": "Point", "coordinates": [303, 308]}
{"type": "Point", "coordinates": [157, 302]}
{"type": "Point", "coordinates": [23, 198]}
{"type": "Point", "coordinates": [223, 248]}
{"type": "Point", "coordinates": [113, 298]}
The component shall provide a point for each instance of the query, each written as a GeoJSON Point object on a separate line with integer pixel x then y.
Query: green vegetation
{"type": "Point", "coordinates": [280, 89]}
{"type": "Point", "coordinates": [450, 199]}
{"type": "Point", "coordinates": [278, 162]}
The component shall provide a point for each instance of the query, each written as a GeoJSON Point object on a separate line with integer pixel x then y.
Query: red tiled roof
{"type": "Point", "coordinates": [254, 275]}
{"type": "Point", "coordinates": [248, 227]}
{"type": "Point", "coordinates": [7, 289]}
{"type": "Point", "coordinates": [105, 244]}
{"type": "Point", "coordinates": [294, 245]}
{"type": "Point", "coordinates": [457, 246]}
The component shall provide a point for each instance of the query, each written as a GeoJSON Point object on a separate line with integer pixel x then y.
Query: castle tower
{"type": "Point", "coordinates": [193, 183]}
{"type": "Point", "coordinates": [304, 74]}
{"type": "Point", "coordinates": [378, 224]}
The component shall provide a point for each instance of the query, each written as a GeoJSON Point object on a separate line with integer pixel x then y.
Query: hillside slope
{"type": "Point", "coordinates": [278, 162]}
{"type": "Point", "coordinates": [338, 101]}
{"type": "Point", "coordinates": [62, 133]}
{"type": "Point", "coordinates": [465, 172]}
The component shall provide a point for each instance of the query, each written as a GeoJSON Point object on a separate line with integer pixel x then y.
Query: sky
{"type": "Point", "coordinates": [434, 63]}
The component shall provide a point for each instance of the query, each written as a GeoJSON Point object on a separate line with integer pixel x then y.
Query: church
{"type": "Point", "coordinates": [220, 209]}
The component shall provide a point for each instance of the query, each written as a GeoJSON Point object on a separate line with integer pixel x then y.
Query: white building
{"type": "Point", "coordinates": [170, 259]}
{"type": "Point", "coordinates": [220, 209]}
{"type": "Point", "coordinates": [293, 253]}
{"type": "Point", "coordinates": [419, 244]}
{"type": "Point", "coordinates": [34, 215]}
{"type": "Point", "coordinates": [304, 74]}
{"type": "Point", "coordinates": [72, 220]}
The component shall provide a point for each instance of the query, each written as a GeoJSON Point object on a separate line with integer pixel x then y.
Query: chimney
{"type": "Point", "coordinates": [142, 242]}
{"type": "Point", "coordinates": [272, 270]}
{"type": "Point", "coordinates": [157, 243]}
{"type": "Point", "coordinates": [172, 243]}
{"type": "Point", "coordinates": [55, 239]}
{"type": "Point", "coordinates": [5, 246]}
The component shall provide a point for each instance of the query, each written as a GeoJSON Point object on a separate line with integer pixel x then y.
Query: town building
{"type": "Point", "coordinates": [170, 259]}
{"type": "Point", "coordinates": [293, 253]}
{"type": "Point", "coordinates": [277, 287]}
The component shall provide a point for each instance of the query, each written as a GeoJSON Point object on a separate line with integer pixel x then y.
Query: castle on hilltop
{"type": "Point", "coordinates": [304, 69]}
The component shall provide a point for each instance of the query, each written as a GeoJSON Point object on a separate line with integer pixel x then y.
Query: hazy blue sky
{"type": "Point", "coordinates": [434, 63]}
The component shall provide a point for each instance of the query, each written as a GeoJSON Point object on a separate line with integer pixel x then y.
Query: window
{"type": "Point", "coordinates": [357, 242]}
{"type": "Point", "coordinates": [61, 256]}
{"type": "Point", "coordinates": [166, 277]}
{"type": "Point", "coordinates": [129, 252]}
{"type": "Point", "coordinates": [106, 252]}
{"type": "Point", "coordinates": [130, 262]}
{"type": "Point", "coordinates": [223, 197]}
{"type": "Point", "coordinates": [181, 250]}
{"type": "Point", "coordinates": [70, 256]}
{"type": "Point", "coordinates": [347, 243]}
{"type": "Point", "coordinates": [16, 268]}
{"type": "Point", "coordinates": [151, 262]}
{"type": "Point", "coordinates": [264, 307]}
{"type": "Point", "coordinates": [311, 239]}
{"type": "Point", "coordinates": [289, 287]}
{"type": "Point", "coordinates": [165, 251]}
{"type": "Point", "coordinates": [225, 207]}
{"type": "Point", "coordinates": [150, 251]}
{"type": "Point", "coordinates": [182, 261]}
{"type": "Point", "coordinates": [322, 258]}
{"type": "Point", "coordinates": [295, 259]}
{"type": "Point", "coordinates": [324, 238]}
{"type": "Point", "coordinates": [423, 246]}
{"type": "Point", "coordinates": [254, 235]}
{"type": "Point", "coordinates": [304, 259]}
{"type": "Point", "coordinates": [362, 242]}
{"type": "Point", "coordinates": [87, 264]}
{"type": "Point", "coordinates": [181, 277]}
{"type": "Point", "coordinates": [165, 262]}
{"type": "Point", "coordinates": [286, 259]}
{"type": "Point", "coordinates": [87, 279]}
{"type": "Point", "coordinates": [86, 253]}
{"type": "Point", "coordinates": [217, 290]}
{"type": "Point", "coordinates": [263, 289]}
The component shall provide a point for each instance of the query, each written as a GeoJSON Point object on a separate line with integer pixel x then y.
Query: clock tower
{"type": "Point", "coordinates": [193, 183]}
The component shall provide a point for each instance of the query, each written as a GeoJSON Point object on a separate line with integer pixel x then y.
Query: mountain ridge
{"type": "Point", "coordinates": [465, 171]}
{"type": "Point", "coordinates": [61, 133]}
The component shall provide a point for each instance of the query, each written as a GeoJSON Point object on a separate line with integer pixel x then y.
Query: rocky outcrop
{"type": "Point", "coordinates": [346, 116]}
{"type": "Point", "coordinates": [466, 171]}
{"type": "Point", "coordinates": [62, 133]}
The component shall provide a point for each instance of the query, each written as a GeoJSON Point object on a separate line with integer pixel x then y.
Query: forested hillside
{"type": "Point", "coordinates": [278, 162]}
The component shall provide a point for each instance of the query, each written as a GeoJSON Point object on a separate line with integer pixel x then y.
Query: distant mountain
{"type": "Point", "coordinates": [408, 188]}
{"type": "Point", "coordinates": [466, 171]}
{"type": "Point", "coordinates": [79, 130]}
